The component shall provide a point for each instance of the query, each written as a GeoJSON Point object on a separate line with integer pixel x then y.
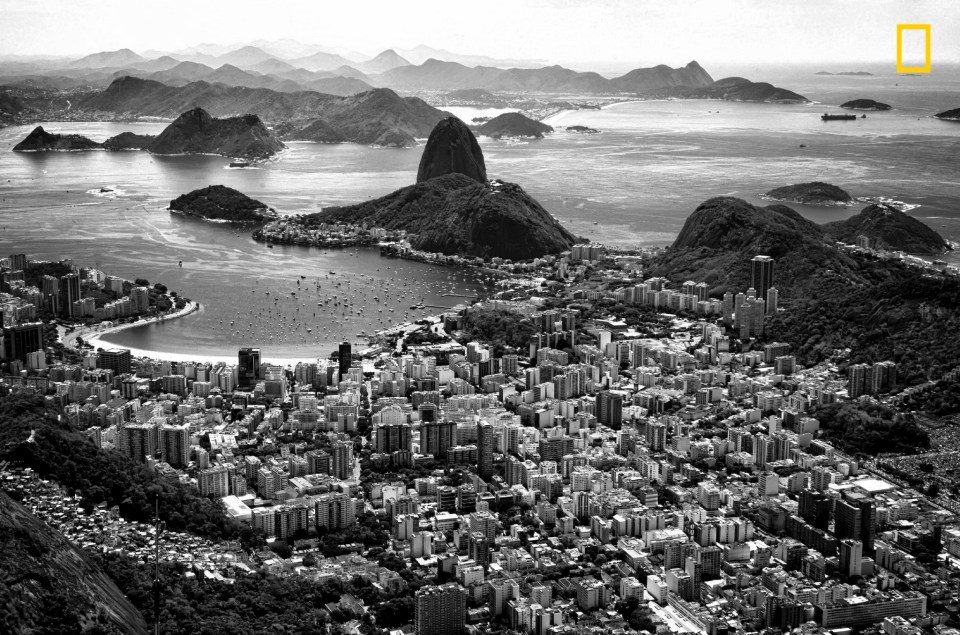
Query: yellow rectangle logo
{"type": "Point", "coordinates": [926, 32]}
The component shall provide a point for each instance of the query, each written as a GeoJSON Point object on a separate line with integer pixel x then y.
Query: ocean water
{"type": "Point", "coordinates": [633, 184]}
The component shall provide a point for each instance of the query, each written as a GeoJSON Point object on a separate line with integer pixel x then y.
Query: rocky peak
{"type": "Point", "coordinates": [452, 148]}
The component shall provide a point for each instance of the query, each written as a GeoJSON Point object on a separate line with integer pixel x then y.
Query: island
{"type": "Point", "coordinates": [193, 132]}
{"type": "Point", "coordinates": [949, 115]}
{"type": "Point", "coordinates": [866, 104]}
{"type": "Point", "coordinates": [39, 140]}
{"type": "Point", "coordinates": [222, 204]}
{"type": "Point", "coordinates": [813, 193]}
{"type": "Point", "coordinates": [515, 125]}
{"type": "Point", "coordinates": [582, 129]}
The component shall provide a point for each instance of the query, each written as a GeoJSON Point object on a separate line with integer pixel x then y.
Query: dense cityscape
{"type": "Point", "coordinates": [587, 449]}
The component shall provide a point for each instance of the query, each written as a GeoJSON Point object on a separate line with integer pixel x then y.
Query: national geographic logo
{"type": "Point", "coordinates": [913, 47]}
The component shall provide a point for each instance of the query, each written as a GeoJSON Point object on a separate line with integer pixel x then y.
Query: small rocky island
{"type": "Point", "coordinates": [949, 115]}
{"type": "Point", "coordinates": [866, 104]}
{"type": "Point", "coordinates": [813, 193]}
{"type": "Point", "coordinates": [222, 204]}
{"type": "Point", "coordinates": [39, 140]}
{"type": "Point", "coordinates": [582, 129]}
{"type": "Point", "coordinates": [514, 125]}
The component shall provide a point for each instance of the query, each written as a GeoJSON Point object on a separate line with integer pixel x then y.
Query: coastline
{"type": "Point", "coordinates": [92, 334]}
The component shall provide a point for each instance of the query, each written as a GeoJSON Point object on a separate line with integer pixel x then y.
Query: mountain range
{"type": "Point", "coordinates": [322, 71]}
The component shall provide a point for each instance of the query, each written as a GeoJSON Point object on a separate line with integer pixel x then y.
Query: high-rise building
{"type": "Point", "coordinates": [851, 557]}
{"type": "Point", "coordinates": [175, 445]}
{"type": "Point", "coordinates": [436, 437]}
{"type": "Point", "coordinates": [214, 482]}
{"type": "Point", "coordinates": [334, 511]}
{"type": "Point", "coordinates": [69, 292]}
{"type": "Point", "coordinates": [138, 440]}
{"type": "Point", "coordinates": [18, 262]}
{"type": "Point", "coordinates": [346, 357]}
{"type": "Point", "coordinates": [249, 366]}
{"type": "Point", "coordinates": [440, 610]}
{"type": "Point", "coordinates": [773, 298]}
{"type": "Point", "coordinates": [610, 408]}
{"type": "Point", "coordinates": [485, 439]}
{"type": "Point", "coordinates": [116, 359]}
{"type": "Point", "coordinates": [21, 340]}
{"type": "Point", "coordinates": [341, 459]}
{"type": "Point", "coordinates": [392, 437]}
{"type": "Point", "coordinates": [762, 274]}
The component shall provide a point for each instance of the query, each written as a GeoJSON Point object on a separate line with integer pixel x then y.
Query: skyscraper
{"type": "Point", "coordinates": [249, 362]}
{"type": "Point", "coordinates": [610, 409]}
{"type": "Point", "coordinates": [441, 610]}
{"type": "Point", "coordinates": [346, 357]}
{"type": "Point", "coordinates": [69, 292]}
{"type": "Point", "coordinates": [341, 461]}
{"type": "Point", "coordinates": [485, 436]}
{"type": "Point", "coordinates": [761, 274]}
{"type": "Point", "coordinates": [22, 339]}
{"type": "Point", "coordinates": [175, 445]}
{"type": "Point", "coordinates": [436, 437]}
{"type": "Point", "coordinates": [851, 557]}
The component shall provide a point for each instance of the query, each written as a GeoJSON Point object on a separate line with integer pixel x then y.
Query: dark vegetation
{"type": "Point", "coordinates": [941, 399]}
{"type": "Point", "coordinates": [813, 193]}
{"type": "Point", "coordinates": [870, 429]}
{"type": "Point", "coordinates": [866, 104]}
{"type": "Point", "coordinates": [513, 124]}
{"type": "Point", "coordinates": [59, 452]}
{"type": "Point", "coordinates": [501, 329]}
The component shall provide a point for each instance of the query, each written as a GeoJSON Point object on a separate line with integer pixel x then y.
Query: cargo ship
{"type": "Point", "coordinates": [829, 117]}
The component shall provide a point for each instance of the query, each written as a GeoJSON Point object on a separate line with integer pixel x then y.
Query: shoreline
{"type": "Point", "coordinates": [92, 334]}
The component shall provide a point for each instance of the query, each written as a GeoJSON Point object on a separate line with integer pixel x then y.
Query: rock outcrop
{"type": "Point", "coordinates": [452, 148]}
{"type": "Point", "coordinates": [889, 228]}
{"type": "Point", "coordinates": [195, 131]}
{"type": "Point", "coordinates": [39, 140]}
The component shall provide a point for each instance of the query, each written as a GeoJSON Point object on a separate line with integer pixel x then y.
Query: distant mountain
{"type": "Point", "coordinates": [813, 193]}
{"type": "Point", "coordinates": [221, 203]}
{"type": "Point", "coordinates": [320, 61]}
{"type": "Point", "coordinates": [513, 124]}
{"type": "Point", "coordinates": [182, 73]}
{"type": "Point", "coordinates": [51, 585]}
{"type": "Point", "coordinates": [319, 131]}
{"type": "Point", "coordinates": [350, 71]}
{"type": "Point", "coordinates": [644, 80]}
{"type": "Point", "coordinates": [156, 64]}
{"type": "Point", "coordinates": [452, 148]}
{"type": "Point", "coordinates": [866, 104]}
{"type": "Point", "coordinates": [108, 59]}
{"type": "Point", "coordinates": [472, 94]}
{"type": "Point", "coordinates": [245, 57]}
{"type": "Point", "coordinates": [340, 86]}
{"type": "Point", "coordinates": [195, 131]}
{"type": "Point", "coordinates": [272, 66]}
{"type": "Point", "coordinates": [690, 81]}
{"type": "Point", "coordinates": [847, 73]}
{"type": "Point", "coordinates": [39, 140]}
{"type": "Point", "coordinates": [378, 117]}
{"type": "Point", "coordinates": [949, 115]}
{"type": "Point", "coordinates": [740, 89]}
{"type": "Point", "coordinates": [133, 97]}
{"type": "Point", "coordinates": [422, 53]}
{"type": "Point", "coordinates": [383, 62]}
{"type": "Point", "coordinates": [889, 228]}
{"type": "Point", "coordinates": [452, 209]}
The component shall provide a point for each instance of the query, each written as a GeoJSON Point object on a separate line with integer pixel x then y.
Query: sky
{"type": "Point", "coordinates": [632, 32]}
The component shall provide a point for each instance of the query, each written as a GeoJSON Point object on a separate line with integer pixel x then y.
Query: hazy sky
{"type": "Point", "coordinates": [637, 32]}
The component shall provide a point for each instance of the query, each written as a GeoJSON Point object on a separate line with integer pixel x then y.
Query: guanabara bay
{"type": "Point", "coordinates": [517, 318]}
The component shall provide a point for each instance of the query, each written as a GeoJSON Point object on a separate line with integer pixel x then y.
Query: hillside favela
{"type": "Point", "coordinates": [521, 317]}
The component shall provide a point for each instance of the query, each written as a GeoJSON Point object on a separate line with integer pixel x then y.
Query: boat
{"type": "Point", "coordinates": [270, 245]}
{"type": "Point", "coordinates": [829, 117]}
{"type": "Point", "coordinates": [239, 164]}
